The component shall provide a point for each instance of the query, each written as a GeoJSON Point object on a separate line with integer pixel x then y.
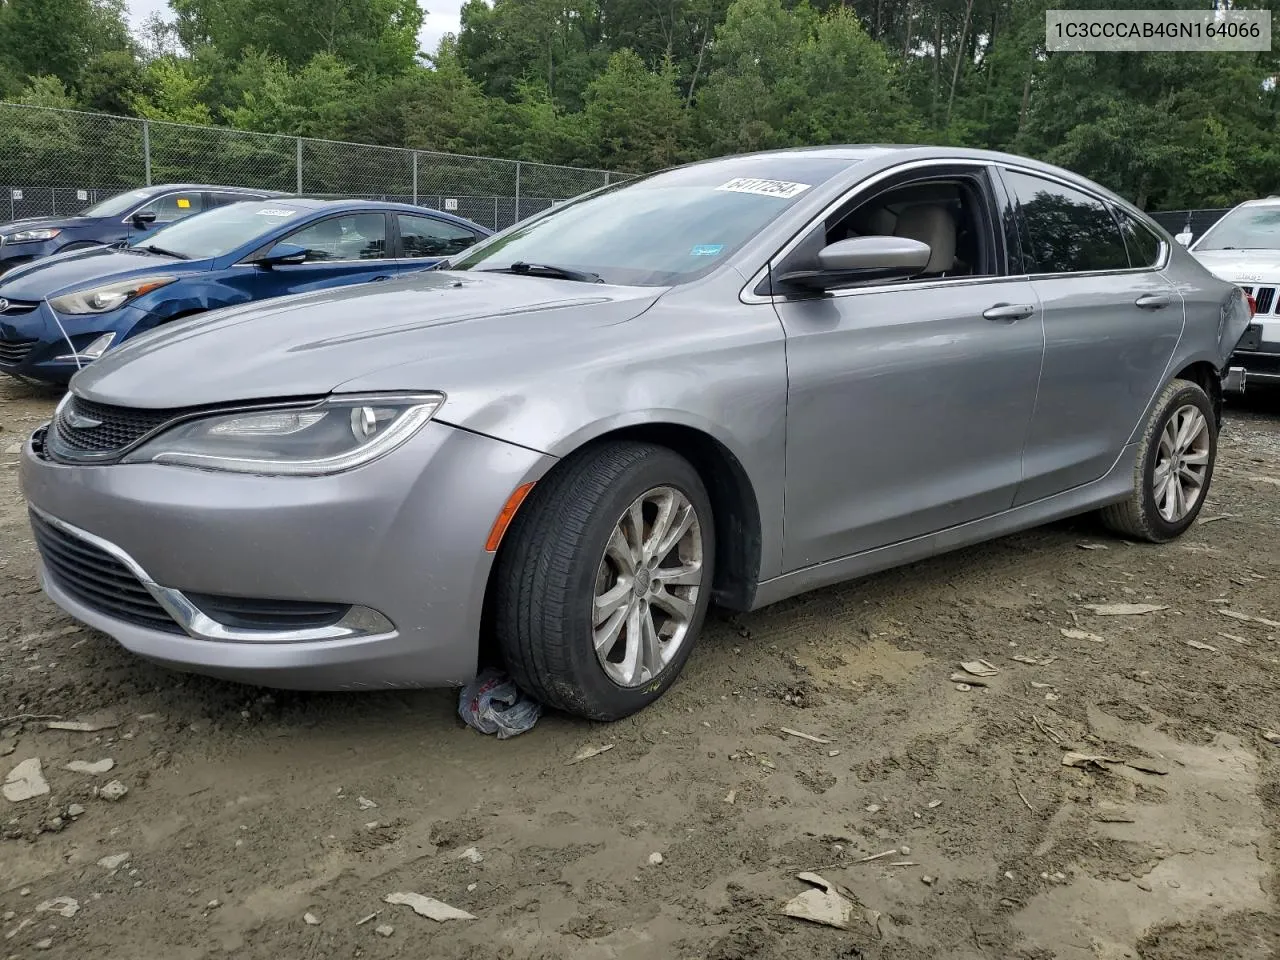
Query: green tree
{"type": "Point", "coordinates": [172, 93]}
{"type": "Point", "coordinates": [636, 115]}
{"type": "Point", "coordinates": [312, 102]}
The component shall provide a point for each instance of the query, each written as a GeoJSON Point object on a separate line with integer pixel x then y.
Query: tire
{"type": "Point", "coordinates": [552, 566]}
{"type": "Point", "coordinates": [1140, 516]}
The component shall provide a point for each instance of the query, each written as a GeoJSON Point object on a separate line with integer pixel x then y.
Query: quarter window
{"type": "Point", "coordinates": [1142, 244]}
{"type": "Point", "coordinates": [360, 236]}
{"type": "Point", "coordinates": [428, 237]}
{"type": "Point", "coordinates": [1067, 231]}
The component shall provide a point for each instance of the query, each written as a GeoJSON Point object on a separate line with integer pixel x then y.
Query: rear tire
{"type": "Point", "coordinates": [587, 611]}
{"type": "Point", "coordinates": [1173, 468]}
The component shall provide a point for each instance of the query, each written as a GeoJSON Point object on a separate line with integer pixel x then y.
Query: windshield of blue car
{"type": "Point", "coordinates": [116, 206]}
{"type": "Point", "coordinates": [662, 230]}
{"type": "Point", "coordinates": [1245, 228]}
{"type": "Point", "coordinates": [219, 231]}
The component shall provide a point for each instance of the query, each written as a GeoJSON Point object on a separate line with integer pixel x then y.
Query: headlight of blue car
{"type": "Point", "coordinates": [32, 236]}
{"type": "Point", "coordinates": [111, 296]}
{"type": "Point", "coordinates": [338, 434]}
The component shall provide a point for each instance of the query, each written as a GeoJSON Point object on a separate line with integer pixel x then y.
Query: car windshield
{"type": "Point", "coordinates": [1245, 228]}
{"type": "Point", "coordinates": [218, 231]}
{"type": "Point", "coordinates": [662, 230]}
{"type": "Point", "coordinates": [117, 205]}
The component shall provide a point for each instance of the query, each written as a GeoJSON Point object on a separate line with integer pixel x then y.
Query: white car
{"type": "Point", "coordinates": [1244, 248]}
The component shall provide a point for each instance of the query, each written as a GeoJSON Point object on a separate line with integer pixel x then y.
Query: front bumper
{"type": "Point", "coordinates": [1258, 352]}
{"type": "Point", "coordinates": [402, 537]}
{"type": "Point", "coordinates": [32, 344]}
{"type": "Point", "coordinates": [14, 255]}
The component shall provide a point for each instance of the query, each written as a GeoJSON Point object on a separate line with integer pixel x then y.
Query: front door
{"type": "Point", "coordinates": [909, 402]}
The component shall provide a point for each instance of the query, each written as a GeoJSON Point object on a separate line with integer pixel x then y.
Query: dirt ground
{"type": "Point", "coordinates": [273, 825]}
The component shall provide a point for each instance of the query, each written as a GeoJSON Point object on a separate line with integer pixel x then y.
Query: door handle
{"type": "Point", "coordinates": [1153, 301]}
{"type": "Point", "coordinates": [1009, 312]}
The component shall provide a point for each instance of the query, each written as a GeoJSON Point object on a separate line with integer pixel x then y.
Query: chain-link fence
{"type": "Point", "coordinates": [61, 161]}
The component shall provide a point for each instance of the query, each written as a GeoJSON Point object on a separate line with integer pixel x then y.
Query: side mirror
{"type": "Point", "coordinates": [863, 259]}
{"type": "Point", "coordinates": [1184, 238]}
{"type": "Point", "coordinates": [283, 254]}
{"type": "Point", "coordinates": [144, 218]}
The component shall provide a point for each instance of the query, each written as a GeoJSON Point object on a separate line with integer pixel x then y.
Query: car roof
{"type": "Point", "coordinates": [320, 203]}
{"type": "Point", "coordinates": [167, 187]}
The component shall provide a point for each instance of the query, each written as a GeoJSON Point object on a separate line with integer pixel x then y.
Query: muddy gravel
{"type": "Point", "coordinates": [239, 822]}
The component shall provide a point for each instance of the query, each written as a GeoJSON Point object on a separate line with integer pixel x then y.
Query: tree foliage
{"type": "Point", "coordinates": [639, 84]}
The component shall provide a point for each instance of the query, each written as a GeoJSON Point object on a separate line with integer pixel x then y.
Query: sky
{"type": "Point", "coordinates": [441, 18]}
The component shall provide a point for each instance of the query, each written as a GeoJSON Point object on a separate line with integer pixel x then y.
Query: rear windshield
{"type": "Point", "coordinates": [1245, 228]}
{"type": "Point", "coordinates": [664, 229]}
{"type": "Point", "coordinates": [220, 230]}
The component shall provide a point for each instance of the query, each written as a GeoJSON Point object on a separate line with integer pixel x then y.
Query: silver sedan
{"type": "Point", "coordinates": [729, 382]}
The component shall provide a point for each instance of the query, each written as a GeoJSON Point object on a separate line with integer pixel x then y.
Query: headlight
{"type": "Point", "coordinates": [110, 297]}
{"type": "Point", "coordinates": [334, 435]}
{"type": "Point", "coordinates": [30, 236]}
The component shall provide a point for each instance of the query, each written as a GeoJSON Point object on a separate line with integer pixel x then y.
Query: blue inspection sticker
{"type": "Point", "coordinates": [706, 249]}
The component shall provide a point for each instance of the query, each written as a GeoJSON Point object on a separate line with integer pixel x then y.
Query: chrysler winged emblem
{"type": "Point", "coordinates": [4, 304]}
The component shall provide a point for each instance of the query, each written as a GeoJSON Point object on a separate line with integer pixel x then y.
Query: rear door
{"type": "Point", "coordinates": [1111, 324]}
{"type": "Point", "coordinates": [908, 401]}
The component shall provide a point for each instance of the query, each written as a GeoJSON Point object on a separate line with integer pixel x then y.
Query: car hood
{"type": "Point", "coordinates": [31, 222]}
{"type": "Point", "coordinates": [64, 271]}
{"type": "Point", "coordinates": [432, 330]}
{"type": "Point", "coordinates": [1241, 266]}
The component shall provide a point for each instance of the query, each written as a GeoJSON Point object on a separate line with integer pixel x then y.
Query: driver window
{"type": "Point", "coordinates": [173, 207]}
{"type": "Point", "coordinates": [360, 236]}
{"type": "Point", "coordinates": [945, 214]}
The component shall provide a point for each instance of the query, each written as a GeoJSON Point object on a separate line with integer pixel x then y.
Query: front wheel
{"type": "Point", "coordinates": [604, 580]}
{"type": "Point", "coordinates": [1174, 466]}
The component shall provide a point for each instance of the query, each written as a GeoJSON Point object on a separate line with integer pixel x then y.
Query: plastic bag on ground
{"type": "Point", "coordinates": [492, 703]}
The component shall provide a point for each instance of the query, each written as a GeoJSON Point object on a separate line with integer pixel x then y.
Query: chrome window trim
{"type": "Point", "coordinates": [127, 220]}
{"type": "Point", "coordinates": [748, 296]}
{"type": "Point", "coordinates": [357, 622]}
{"type": "Point", "coordinates": [313, 263]}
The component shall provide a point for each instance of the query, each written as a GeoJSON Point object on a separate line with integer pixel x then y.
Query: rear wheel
{"type": "Point", "coordinates": [1174, 466]}
{"type": "Point", "coordinates": [604, 580]}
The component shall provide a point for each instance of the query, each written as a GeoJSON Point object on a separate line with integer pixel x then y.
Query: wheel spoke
{"type": "Point", "coordinates": [678, 607]}
{"type": "Point", "coordinates": [667, 508]}
{"type": "Point", "coordinates": [651, 658]}
{"type": "Point", "coordinates": [607, 635]}
{"type": "Point", "coordinates": [1164, 497]}
{"type": "Point", "coordinates": [684, 521]}
{"type": "Point", "coordinates": [1196, 458]}
{"type": "Point", "coordinates": [685, 575]}
{"type": "Point", "coordinates": [630, 666]}
{"type": "Point", "coordinates": [619, 551]}
{"type": "Point", "coordinates": [1191, 476]}
{"type": "Point", "coordinates": [635, 534]}
{"type": "Point", "coordinates": [1168, 441]}
{"type": "Point", "coordinates": [611, 600]}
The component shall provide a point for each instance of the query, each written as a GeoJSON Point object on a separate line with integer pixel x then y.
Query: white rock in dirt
{"type": "Point", "coordinates": [655, 859]}
{"type": "Point", "coordinates": [74, 810]}
{"type": "Point", "coordinates": [80, 726]}
{"type": "Point", "coordinates": [62, 906]}
{"type": "Point", "coordinates": [1124, 609]}
{"type": "Point", "coordinates": [25, 781]}
{"type": "Point", "coordinates": [114, 861]}
{"type": "Point", "coordinates": [213, 904]}
{"type": "Point", "coordinates": [1271, 737]}
{"type": "Point", "coordinates": [1200, 645]}
{"type": "Point", "coordinates": [13, 448]}
{"type": "Point", "coordinates": [310, 919]}
{"type": "Point", "coordinates": [93, 767]}
{"type": "Point", "coordinates": [44, 944]}
{"type": "Point", "coordinates": [1072, 634]}
{"type": "Point", "coordinates": [384, 929]}
{"type": "Point", "coordinates": [824, 904]}
{"type": "Point", "coordinates": [471, 855]}
{"type": "Point", "coordinates": [366, 804]}
{"type": "Point", "coordinates": [979, 668]}
{"type": "Point", "coordinates": [428, 907]}
{"type": "Point", "coordinates": [112, 790]}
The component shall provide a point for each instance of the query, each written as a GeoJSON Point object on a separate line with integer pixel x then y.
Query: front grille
{"type": "Point", "coordinates": [113, 429]}
{"type": "Point", "coordinates": [1266, 299]}
{"type": "Point", "coordinates": [249, 613]}
{"type": "Point", "coordinates": [97, 579]}
{"type": "Point", "coordinates": [13, 352]}
{"type": "Point", "coordinates": [17, 308]}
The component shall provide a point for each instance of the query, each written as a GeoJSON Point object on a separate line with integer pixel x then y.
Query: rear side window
{"type": "Point", "coordinates": [429, 237]}
{"type": "Point", "coordinates": [222, 199]}
{"type": "Point", "coordinates": [1143, 245]}
{"type": "Point", "coordinates": [1067, 231]}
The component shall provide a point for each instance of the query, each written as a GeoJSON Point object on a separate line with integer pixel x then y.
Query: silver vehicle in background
{"type": "Point", "coordinates": [732, 381]}
{"type": "Point", "coordinates": [1244, 248]}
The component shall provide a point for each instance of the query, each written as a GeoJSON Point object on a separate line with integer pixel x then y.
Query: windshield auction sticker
{"type": "Point", "coordinates": [781, 189]}
{"type": "Point", "coordinates": [1193, 31]}
{"type": "Point", "coordinates": [274, 212]}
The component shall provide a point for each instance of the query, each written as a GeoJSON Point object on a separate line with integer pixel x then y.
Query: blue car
{"type": "Point", "coordinates": [126, 216]}
{"type": "Point", "coordinates": [62, 312]}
